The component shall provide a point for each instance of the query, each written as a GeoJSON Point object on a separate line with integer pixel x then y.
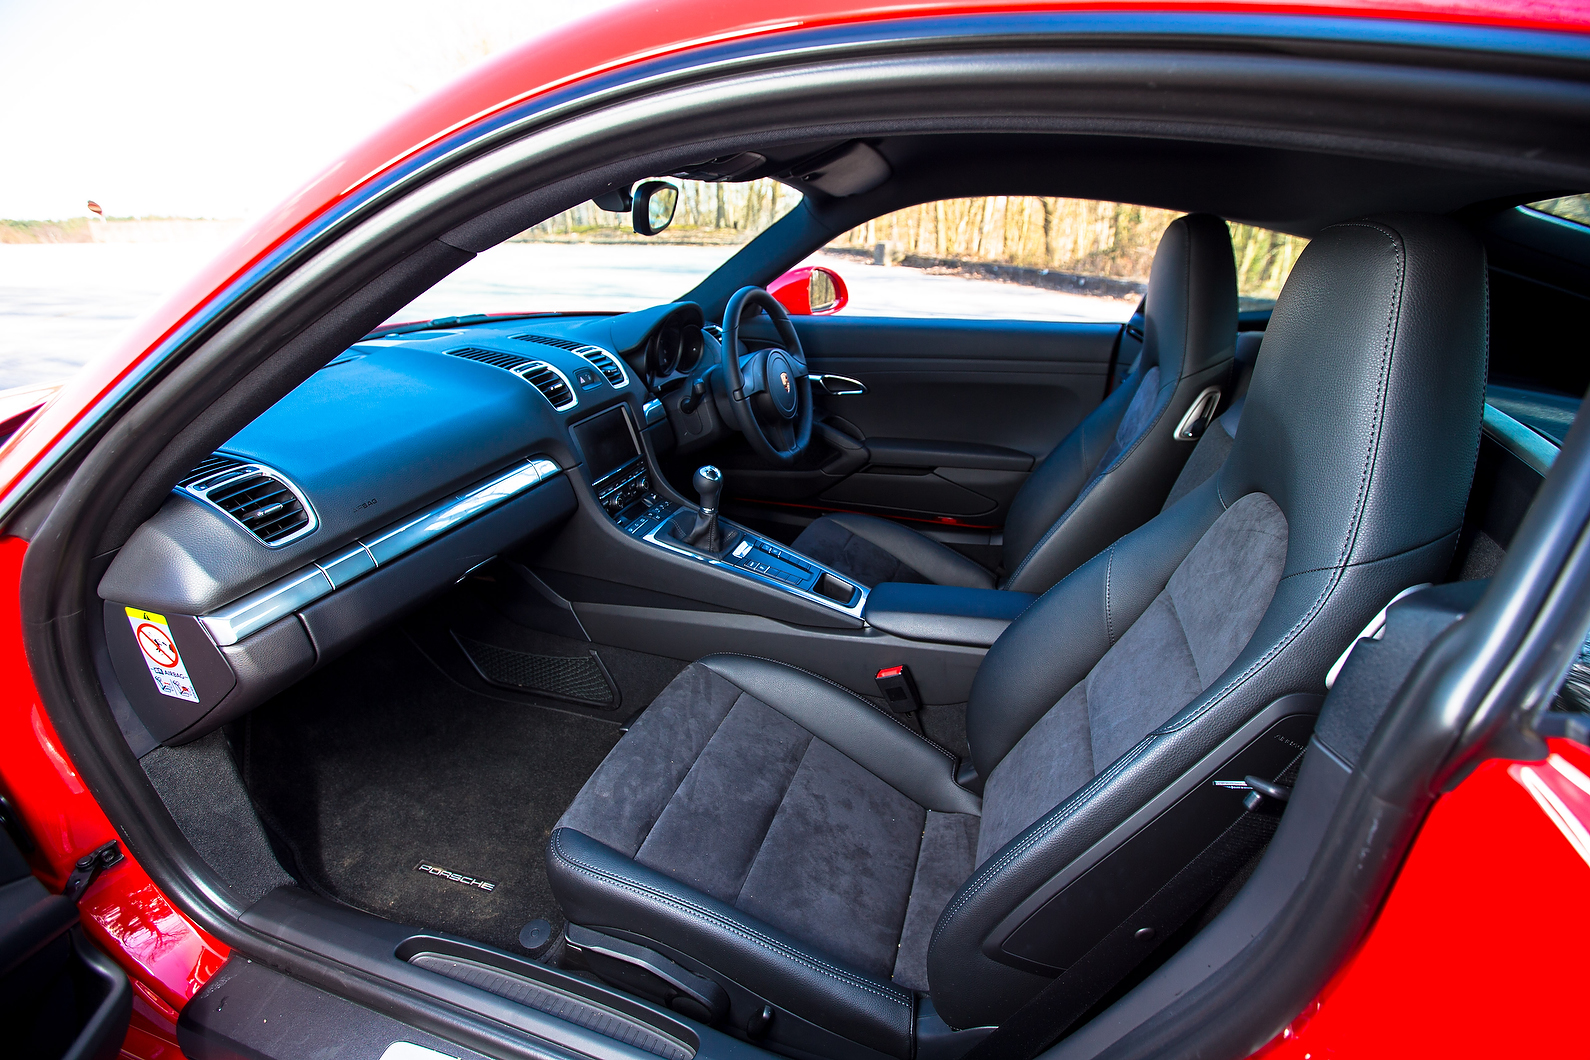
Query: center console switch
{"type": "Point", "coordinates": [944, 613]}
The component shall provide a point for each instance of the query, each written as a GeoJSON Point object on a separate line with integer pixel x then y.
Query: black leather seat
{"type": "Point", "coordinates": [1111, 473]}
{"type": "Point", "coordinates": [770, 831]}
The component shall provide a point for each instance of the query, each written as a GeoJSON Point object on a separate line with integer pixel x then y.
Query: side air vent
{"type": "Point", "coordinates": [259, 498]}
{"type": "Point", "coordinates": [553, 384]}
{"type": "Point", "coordinates": [605, 363]}
{"type": "Point", "coordinates": [610, 367]}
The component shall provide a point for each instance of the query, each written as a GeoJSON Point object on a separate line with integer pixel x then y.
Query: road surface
{"type": "Point", "coordinates": [61, 305]}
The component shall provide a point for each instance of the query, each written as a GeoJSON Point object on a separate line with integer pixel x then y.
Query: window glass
{"type": "Point", "coordinates": [589, 259]}
{"type": "Point", "coordinates": [1027, 258]}
{"type": "Point", "coordinates": [1575, 208]}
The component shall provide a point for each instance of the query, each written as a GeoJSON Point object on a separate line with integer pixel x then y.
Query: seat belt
{"type": "Point", "coordinates": [1055, 1010]}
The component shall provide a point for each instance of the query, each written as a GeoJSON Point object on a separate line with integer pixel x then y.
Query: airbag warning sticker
{"type": "Point", "coordinates": [159, 649]}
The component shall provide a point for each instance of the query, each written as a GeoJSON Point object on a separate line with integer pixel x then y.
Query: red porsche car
{"type": "Point", "coordinates": [1179, 651]}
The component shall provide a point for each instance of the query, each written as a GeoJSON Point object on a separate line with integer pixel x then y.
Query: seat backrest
{"type": "Point", "coordinates": [1109, 475]}
{"type": "Point", "coordinates": [1346, 483]}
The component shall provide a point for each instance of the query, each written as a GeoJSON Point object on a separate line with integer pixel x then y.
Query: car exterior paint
{"type": "Point", "coordinates": [1466, 907]}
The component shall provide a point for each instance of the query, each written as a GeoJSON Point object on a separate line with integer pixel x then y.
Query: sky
{"type": "Point", "coordinates": [213, 109]}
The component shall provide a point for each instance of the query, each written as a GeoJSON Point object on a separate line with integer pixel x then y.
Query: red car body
{"type": "Point", "coordinates": [1464, 958]}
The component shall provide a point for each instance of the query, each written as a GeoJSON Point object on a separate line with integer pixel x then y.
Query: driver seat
{"type": "Point", "coordinates": [1112, 472]}
{"type": "Point", "coordinates": [831, 883]}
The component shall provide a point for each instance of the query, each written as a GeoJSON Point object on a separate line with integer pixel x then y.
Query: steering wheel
{"type": "Point", "coordinates": [771, 394]}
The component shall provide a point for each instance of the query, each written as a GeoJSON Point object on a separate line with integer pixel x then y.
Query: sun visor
{"type": "Point", "coordinates": [850, 170]}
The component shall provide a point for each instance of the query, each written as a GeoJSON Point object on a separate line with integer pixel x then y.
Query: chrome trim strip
{"type": "Point", "coordinates": [838, 385]}
{"type": "Point", "coordinates": [230, 624]}
{"type": "Point", "coordinates": [655, 536]}
{"type": "Point", "coordinates": [353, 562]}
{"type": "Point", "coordinates": [1533, 449]}
{"type": "Point", "coordinates": [244, 466]}
{"type": "Point", "coordinates": [263, 606]}
{"type": "Point", "coordinates": [653, 412]}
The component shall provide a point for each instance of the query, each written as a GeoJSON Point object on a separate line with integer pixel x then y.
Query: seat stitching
{"type": "Point", "coordinates": [810, 739]}
{"type": "Point", "coordinates": [732, 926]}
{"type": "Point", "coordinates": [921, 844]}
{"type": "Point", "coordinates": [940, 748]}
{"type": "Point", "coordinates": [1109, 614]}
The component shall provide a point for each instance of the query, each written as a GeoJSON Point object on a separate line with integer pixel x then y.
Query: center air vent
{"type": "Point", "coordinates": [553, 384]}
{"type": "Point", "coordinates": [258, 497]}
{"type": "Point", "coordinates": [610, 367]}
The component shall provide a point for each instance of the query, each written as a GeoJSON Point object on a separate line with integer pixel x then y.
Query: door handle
{"type": "Point", "coordinates": [839, 385]}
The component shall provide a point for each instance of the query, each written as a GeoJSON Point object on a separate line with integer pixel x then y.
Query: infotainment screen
{"type": "Point", "coordinates": [606, 443]}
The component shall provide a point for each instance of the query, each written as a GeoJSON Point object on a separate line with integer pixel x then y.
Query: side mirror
{"type": "Point", "coordinates": [810, 291]}
{"type": "Point", "coordinates": [655, 202]}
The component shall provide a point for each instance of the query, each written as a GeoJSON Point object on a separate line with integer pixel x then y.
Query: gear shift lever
{"type": "Point", "coordinates": [708, 481]}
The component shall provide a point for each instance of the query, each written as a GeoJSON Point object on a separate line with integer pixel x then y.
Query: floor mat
{"type": "Point", "coordinates": [402, 793]}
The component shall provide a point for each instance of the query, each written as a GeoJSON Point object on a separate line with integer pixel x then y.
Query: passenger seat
{"type": "Point", "coordinates": [1111, 473]}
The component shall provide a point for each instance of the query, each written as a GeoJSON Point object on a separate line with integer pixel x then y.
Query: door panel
{"type": "Point", "coordinates": [955, 415]}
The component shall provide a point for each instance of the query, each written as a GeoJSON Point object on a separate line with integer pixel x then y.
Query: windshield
{"type": "Point", "coordinates": [589, 259]}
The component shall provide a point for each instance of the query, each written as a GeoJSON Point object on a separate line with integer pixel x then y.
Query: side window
{"type": "Point", "coordinates": [1024, 257]}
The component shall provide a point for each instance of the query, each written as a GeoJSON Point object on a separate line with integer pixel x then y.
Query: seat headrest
{"type": "Point", "coordinates": [1190, 311]}
{"type": "Point", "coordinates": [1362, 421]}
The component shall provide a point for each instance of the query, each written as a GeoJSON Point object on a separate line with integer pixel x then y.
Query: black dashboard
{"type": "Point", "coordinates": [415, 455]}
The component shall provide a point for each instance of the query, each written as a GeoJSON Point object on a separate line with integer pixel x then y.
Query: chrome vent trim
{"type": "Point", "coordinates": [547, 378]}
{"type": "Point", "coordinates": [553, 384]}
{"type": "Point", "coordinates": [604, 361]}
{"type": "Point", "coordinates": [257, 497]}
{"type": "Point", "coordinates": [611, 367]}
{"type": "Point", "coordinates": [252, 613]}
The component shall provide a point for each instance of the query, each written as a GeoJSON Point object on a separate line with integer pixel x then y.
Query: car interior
{"type": "Point", "coordinates": [671, 681]}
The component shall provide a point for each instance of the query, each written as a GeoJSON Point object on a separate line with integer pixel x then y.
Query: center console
{"type": "Point", "coordinates": [621, 480]}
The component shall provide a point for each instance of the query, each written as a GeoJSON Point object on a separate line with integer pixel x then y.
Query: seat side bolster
{"type": "Point", "coordinates": [600, 888]}
{"type": "Point", "coordinates": [917, 768]}
{"type": "Point", "coordinates": [1128, 495]}
{"type": "Point", "coordinates": [938, 562]}
{"type": "Point", "coordinates": [1057, 641]}
{"type": "Point", "coordinates": [1055, 483]}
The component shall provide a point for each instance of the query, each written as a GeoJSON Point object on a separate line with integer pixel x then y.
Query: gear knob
{"type": "Point", "coordinates": [708, 481]}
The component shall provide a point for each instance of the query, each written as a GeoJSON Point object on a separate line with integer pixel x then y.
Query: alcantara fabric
{"type": "Point", "coordinates": [946, 860]}
{"type": "Point", "coordinates": [1139, 414]}
{"type": "Point", "coordinates": [721, 792]}
{"type": "Point", "coordinates": [830, 544]}
{"type": "Point", "coordinates": [1190, 633]}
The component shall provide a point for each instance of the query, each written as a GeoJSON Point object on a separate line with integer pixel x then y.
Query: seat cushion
{"type": "Point", "coordinates": [762, 796]}
{"type": "Point", "coordinates": [870, 551]}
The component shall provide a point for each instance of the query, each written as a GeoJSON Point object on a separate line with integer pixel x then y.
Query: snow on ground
{"type": "Point", "coordinates": [63, 304]}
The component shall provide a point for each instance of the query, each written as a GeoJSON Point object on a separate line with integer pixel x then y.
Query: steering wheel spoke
{"type": "Point", "coordinates": [770, 390]}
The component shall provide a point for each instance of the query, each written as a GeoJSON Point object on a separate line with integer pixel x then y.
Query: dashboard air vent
{"type": "Point", "coordinates": [210, 466]}
{"type": "Point", "coordinates": [553, 386]}
{"type": "Point", "coordinates": [605, 363]}
{"type": "Point", "coordinates": [545, 340]}
{"type": "Point", "coordinates": [258, 497]}
{"type": "Point", "coordinates": [511, 361]}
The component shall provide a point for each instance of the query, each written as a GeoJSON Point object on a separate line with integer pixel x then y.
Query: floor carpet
{"type": "Point", "coordinates": [381, 763]}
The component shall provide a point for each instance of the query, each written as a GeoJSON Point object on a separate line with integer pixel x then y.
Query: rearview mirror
{"type": "Point", "coordinates": [655, 201]}
{"type": "Point", "coordinates": [811, 290]}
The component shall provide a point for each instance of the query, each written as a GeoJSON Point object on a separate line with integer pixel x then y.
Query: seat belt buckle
{"type": "Point", "coordinates": [899, 690]}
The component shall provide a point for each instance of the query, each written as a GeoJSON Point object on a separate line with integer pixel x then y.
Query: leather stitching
{"type": "Point", "coordinates": [1109, 615]}
{"type": "Point", "coordinates": [940, 748]}
{"type": "Point", "coordinates": [733, 927]}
